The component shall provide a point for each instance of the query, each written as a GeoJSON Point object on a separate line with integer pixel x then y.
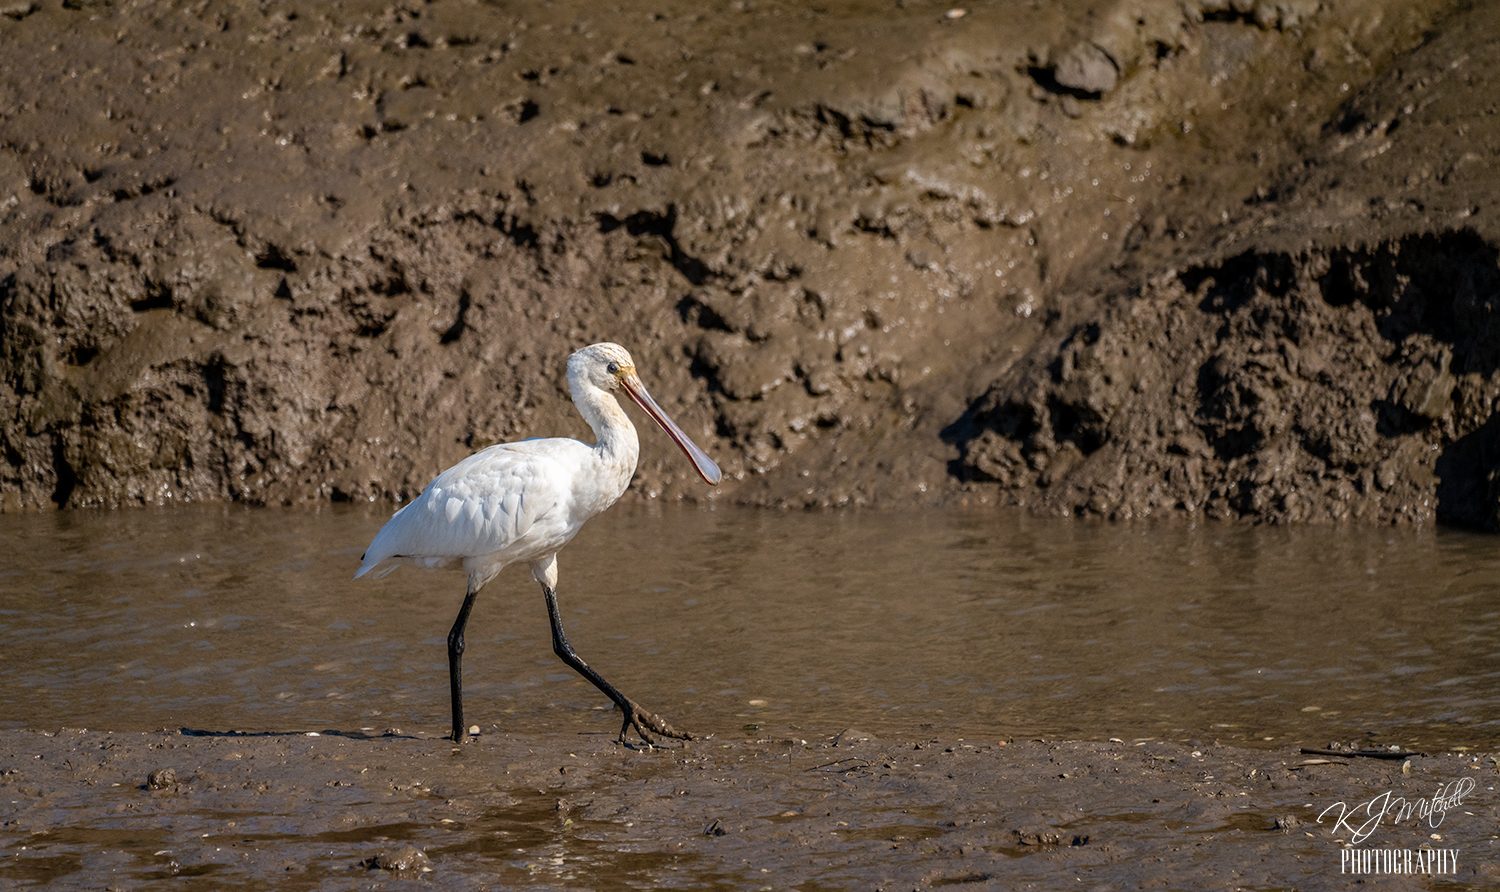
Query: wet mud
{"type": "Point", "coordinates": [298, 810]}
{"type": "Point", "coordinates": [1121, 259]}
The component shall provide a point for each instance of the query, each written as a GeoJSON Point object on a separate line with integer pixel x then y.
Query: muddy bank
{"type": "Point", "coordinates": [1230, 259]}
{"type": "Point", "coordinates": [1333, 356]}
{"type": "Point", "coordinates": [560, 811]}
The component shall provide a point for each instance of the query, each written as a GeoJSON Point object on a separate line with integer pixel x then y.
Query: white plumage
{"type": "Point", "coordinates": [505, 504]}
{"type": "Point", "coordinates": [522, 502]}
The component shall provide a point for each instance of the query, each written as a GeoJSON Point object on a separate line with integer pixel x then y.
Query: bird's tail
{"type": "Point", "coordinates": [380, 569]}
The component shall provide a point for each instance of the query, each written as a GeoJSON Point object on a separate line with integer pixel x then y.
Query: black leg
{"type": "Point", "coordinates": [455, 671]}
{"type": "Point", "coordinates": [635, 717]}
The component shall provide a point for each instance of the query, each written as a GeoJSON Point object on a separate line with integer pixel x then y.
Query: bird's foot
{"type": "Point", "coordinates": [645, 724]}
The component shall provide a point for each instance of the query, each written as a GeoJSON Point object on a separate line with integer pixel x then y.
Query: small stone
{"type": "Point", "coordinates": [473, 730]}
{"type": "Point", "coordinates": [17, 11]}
{"type": "Point", "coordinates": [850, 735]}
{"type": "Point", "coordinates": [1033, 837]}
{"type": "Point", "coordinates": [404, 858]}
{"type": "Point", "coordinates": [161, 779]}
{"type": "Point", "coordinates": [1086, 68]}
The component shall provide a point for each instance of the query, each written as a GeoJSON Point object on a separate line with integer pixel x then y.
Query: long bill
{"type": "Point", "coordinates": [701, 462]}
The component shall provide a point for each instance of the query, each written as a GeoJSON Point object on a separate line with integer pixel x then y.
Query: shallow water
{"type": "Point", "coordinates": [756, 623]}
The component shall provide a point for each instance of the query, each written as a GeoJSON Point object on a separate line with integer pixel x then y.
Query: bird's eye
{"type": "Point", "coordinates": [613, 368]}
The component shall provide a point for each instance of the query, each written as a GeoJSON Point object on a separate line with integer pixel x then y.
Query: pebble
{"type": "Point", "coordinates": [404, 858]}
{"type": "Point", "coordinates": [161, 779]}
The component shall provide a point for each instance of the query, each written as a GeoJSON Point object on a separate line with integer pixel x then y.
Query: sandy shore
{"type": "Point", "coordinates": [298, 810]}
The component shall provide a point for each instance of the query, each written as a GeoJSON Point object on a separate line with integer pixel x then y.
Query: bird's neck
{"type": "Point", "coordinates": [616, 442]}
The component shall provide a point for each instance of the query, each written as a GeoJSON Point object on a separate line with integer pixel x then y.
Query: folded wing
{"type": "Point", "coordinates": [493, 500]}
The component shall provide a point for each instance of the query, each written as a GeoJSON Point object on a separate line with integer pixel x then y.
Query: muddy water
{"type": "Point", "coordinates": [744, 623]}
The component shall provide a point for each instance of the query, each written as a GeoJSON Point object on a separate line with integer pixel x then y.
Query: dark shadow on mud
{"type": "Point", "coordinates": [347, 735]}
{"type": "Point", "coordinates": [1012, 419]}
{"type": "Point", "coordinates": [1230, 284]}
{"type": "Point", "coordinates": [1468, 474]}
{"type": "Point", "coordinates": [1444, 284]}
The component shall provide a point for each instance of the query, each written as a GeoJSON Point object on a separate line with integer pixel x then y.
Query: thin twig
{"type": "Point", "coordinates": [840, 762]}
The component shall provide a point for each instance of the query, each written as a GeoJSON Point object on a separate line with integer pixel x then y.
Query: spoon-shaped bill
{"type": "Point", "coordinates": [705, 466]}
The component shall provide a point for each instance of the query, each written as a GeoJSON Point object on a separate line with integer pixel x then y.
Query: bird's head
{"type": "Point", "coordinates": [609, 368]}
{"type": "Point", "coordinates": [606, 366]}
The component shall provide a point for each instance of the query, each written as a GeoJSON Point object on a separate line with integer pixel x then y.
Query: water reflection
{"type": "Point", "coordinates": [800, 624]}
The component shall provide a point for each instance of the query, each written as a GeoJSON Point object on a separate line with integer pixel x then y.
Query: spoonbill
{"type": "Point", "coordinates": [524, 501]}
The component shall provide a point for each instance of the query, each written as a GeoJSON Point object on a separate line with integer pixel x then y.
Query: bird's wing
{"type": "Point", "coordinates": [477, 507]}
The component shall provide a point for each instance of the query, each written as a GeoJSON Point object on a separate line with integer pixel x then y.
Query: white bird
{"type": "Point", "coordinates": [523, 501]}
